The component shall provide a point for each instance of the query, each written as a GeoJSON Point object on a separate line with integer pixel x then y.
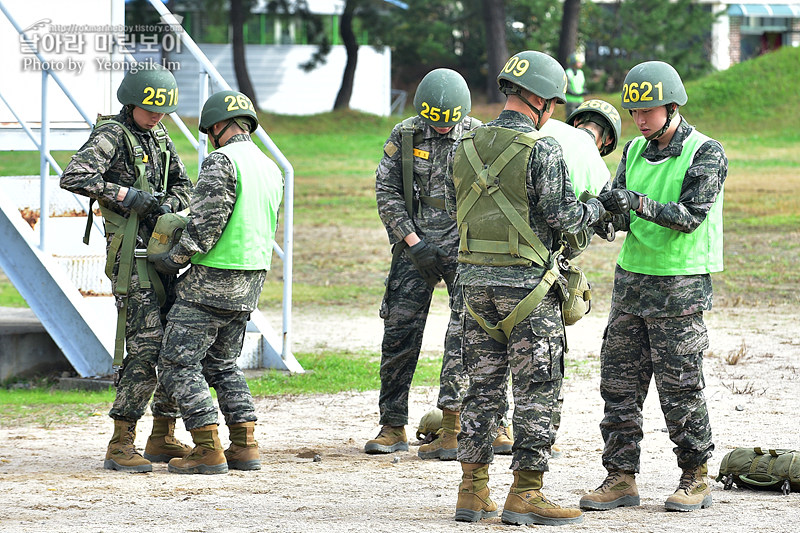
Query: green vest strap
{"type": "Point", "coordinates": [407, 163]}
{"type": "Point", "coordinates": [501, 331]}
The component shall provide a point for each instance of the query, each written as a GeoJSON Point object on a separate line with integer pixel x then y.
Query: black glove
{"type": "Point", "coordinates": [600, 207]}
{"type": "Point", "coordinates": [163, 210]}
{"type": "Point", "coordinates": [164, 264]}
{"type": "Point", "coordinates": [426, 257]}
{"type": "Point", "coordinates": [140, 201]}
{"type": "Point", "coordinates": [620, 201]}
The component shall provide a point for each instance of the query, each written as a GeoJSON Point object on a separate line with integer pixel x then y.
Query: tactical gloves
{"type": "Point", "coordinates": [620, 201]}
{"type": "Point", "coordinates": [140, 201]}
{"type": "Point", "coordinates": [427, 258]}
{"type": "Point", "coordinates": [164, 264]}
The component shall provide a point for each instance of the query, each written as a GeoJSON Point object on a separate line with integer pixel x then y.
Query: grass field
{"type": "Point", "coordinates": [341, 249]}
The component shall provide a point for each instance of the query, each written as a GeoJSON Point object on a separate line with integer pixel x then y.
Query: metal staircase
{"type": "Point", "coordinates": [61, 279]}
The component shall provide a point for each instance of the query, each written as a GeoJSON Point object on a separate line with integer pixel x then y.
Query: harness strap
{"type": "Point", "coordinates": [501, 331]}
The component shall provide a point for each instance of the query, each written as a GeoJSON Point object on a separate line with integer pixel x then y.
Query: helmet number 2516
{"type": "Point", "coordinates": [158, 97]}
{"type": "Point", "coordinates": [635, 92]}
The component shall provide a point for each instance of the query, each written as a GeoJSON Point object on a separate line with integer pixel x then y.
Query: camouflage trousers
{"type": "Point", "coordinates": [534, 356]}
{"type": "Point", "coordinates": [144, 330]}
{"type": "Point", "coordinates": [671, 350]}
{"type": "Point", "coordinates": [200, 348]}
{"type": "Point", "coordinates": [408, 301]}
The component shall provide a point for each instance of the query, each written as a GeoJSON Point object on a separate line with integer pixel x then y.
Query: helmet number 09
{"type": "Point", "coordinates": [444, 115]}
{"type": "Point", "coordinates": [635, 92]}
{"type": "Point", "coordinates": [239, 101]}
{"type": "Point", "coordinates": [517, 66]}
{"type": "Point", "coordinates": [158, 97]}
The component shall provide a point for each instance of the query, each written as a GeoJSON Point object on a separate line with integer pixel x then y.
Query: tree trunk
{"type": "Point", "coordinates": [569, 30]}
{"type": "Point", "coordinates": [351, 46]}
{"type": "Point", "coordinates": [494, 14]}
{"type": "Point", "coordinates": [238, 18]}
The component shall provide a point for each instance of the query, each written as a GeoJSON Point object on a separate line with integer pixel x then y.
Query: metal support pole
{"type": "Point", "coordinates": [44, 168]}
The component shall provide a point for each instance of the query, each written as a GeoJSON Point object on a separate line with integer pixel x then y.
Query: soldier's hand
{"type": "Point", "coordinates": [620, 201]}
{"type": "Point", "coordinates": [140, 201]}
{"type": "Point", "coordinates": [427, 258]}
{"type": "Point", "coordinates": [164, 264]}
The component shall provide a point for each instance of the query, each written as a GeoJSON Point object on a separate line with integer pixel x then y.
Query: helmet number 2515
{"type": "Point", "coordinates": [436, 114]}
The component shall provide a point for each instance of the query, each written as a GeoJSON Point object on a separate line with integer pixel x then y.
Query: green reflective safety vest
{"type": "Point", "coordinates": [659, 251]}
{"type": "Point", "coordinates": [489, 169]}
{"type": "Point", "coordinates": [246, 242]}
{"type": "Point", "coordinates": [576, 82]}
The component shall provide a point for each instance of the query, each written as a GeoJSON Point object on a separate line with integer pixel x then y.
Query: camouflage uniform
{"type": "Point", "coordinates": [535, 350]}
{"type": "Point", "coordinates": [655, 326]}
{"type": "Point", "coordinates": [98, 170]}
{"type": "Point", "coordinates": [206, 326]}
{"type": "Point", "coordinates": [408, 295]}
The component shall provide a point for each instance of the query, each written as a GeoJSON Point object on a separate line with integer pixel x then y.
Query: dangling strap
{"type": "Point", "coordinates": [501, 331]}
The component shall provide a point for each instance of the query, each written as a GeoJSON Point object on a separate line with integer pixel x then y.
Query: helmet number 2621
{"type": "Point", "coordinates": [634, 92]}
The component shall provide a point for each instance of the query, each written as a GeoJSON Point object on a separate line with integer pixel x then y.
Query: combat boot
{"type": "Point", "coordinates": [242, 454]}
{"type": "Point", "coordinates": [390, 439]}
{"type": "Point", "coordinates": [445, 447]}
{"type": "Point", "coordinates": [162, 445]}
{"type": "Point", "coordinates": [504, 441]}
{"type": "Point", "coordinates": [121, 453]}
{"type": "Point", "coordinates": [526, 504]}
{"type": "Point", "coordinates": [694, 491]}
{"type": "Point", "coordinates": [206, 457]}
{"type": "Point", "coordinates": [474, 502]}
{"type": "Point", "coordinates": [617, 490]}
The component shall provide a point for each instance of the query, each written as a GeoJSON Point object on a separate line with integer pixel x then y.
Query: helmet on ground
{"type": "Point", "coordinates": [225, 105]}
{"type": "Point", "coordinates": [429, 425]}
{"type": "Point", "coordinates": [151, 87]}
{"type": "Point", "coordinates": [536, 72]}
{"type": "Point", "coordinates": [652, 84]}
{"type": "Point", "coordinates": [442, 98]}
{"type": "Point", "coordinates": [604, 115]}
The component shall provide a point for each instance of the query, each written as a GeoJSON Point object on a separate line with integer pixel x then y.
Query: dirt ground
{"type": "Point", "coordinates": [52, 479]}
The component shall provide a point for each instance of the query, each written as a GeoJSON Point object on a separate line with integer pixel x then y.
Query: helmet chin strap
{"type": "Point", "coordinates": [215, 138]}
{"type": "Point", "coordinates": [515, 91]}
{"type": "Point", "coordinates": [671, 110]}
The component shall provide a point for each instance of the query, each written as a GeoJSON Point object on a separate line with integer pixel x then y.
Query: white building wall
{"type": "Point", "coordinates": [283, 87]}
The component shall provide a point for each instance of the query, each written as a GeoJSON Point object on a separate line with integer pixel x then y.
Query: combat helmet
{"type": "Point", "coordinates": [604, 115]}
{"type": "Point", "coordinates": [442, 98]}
{"type": "Point", "coordinates": [536, 72]}
{"type": "Point", "coordinates": [151, 87]}
{"type": "Point", "coordinates": [233, 106]}
{"type": "Point", "coordinates": [653, 84]}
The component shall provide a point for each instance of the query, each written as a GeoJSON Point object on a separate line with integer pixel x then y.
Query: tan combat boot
{"type": "Point", "coordinates": [694, 491]}
{"type": "Point", "coordinates": [504, 441]}
{"type": "Point", "coordinates": [242, 454]}
{"type": "Point", "coordinates": [617, 490]}
{"type": "Point", "coordinates": [207, 456]}
{"type": "Point", "coordinates": [474, 502]}
{"type": "Point", "coordinates": [162, 445]}
{"type": "Point", "coordinates": [526, 504]}
{"type": "Point", "coordinates": [390, 439]}
{"type": "Point", "coordinates": [445, 447]}
{"type": "Point", "coordinates": [121, 454]}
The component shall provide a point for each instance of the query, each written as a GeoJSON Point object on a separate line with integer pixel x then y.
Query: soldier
{"type": "Point", "coordinates": [409, 188]}
{"type": "Point", "coordinates": [130, 167]}
{"type": "Point", "coordinates": [229, 241]}
{"type": "Point", "coordinates": [587, 172]}
{"type": "Point", "coordinates": [601, 121]}
{"type": "Point", "coordinates": [668, 191]}
{"type": "Point", "coordinates": [576, 82]}
{"type": "Point", "coordinates": [509, 190]}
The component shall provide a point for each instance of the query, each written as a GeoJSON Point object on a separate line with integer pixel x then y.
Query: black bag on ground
{"type": "Point", "coordinates": [761, 469]}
